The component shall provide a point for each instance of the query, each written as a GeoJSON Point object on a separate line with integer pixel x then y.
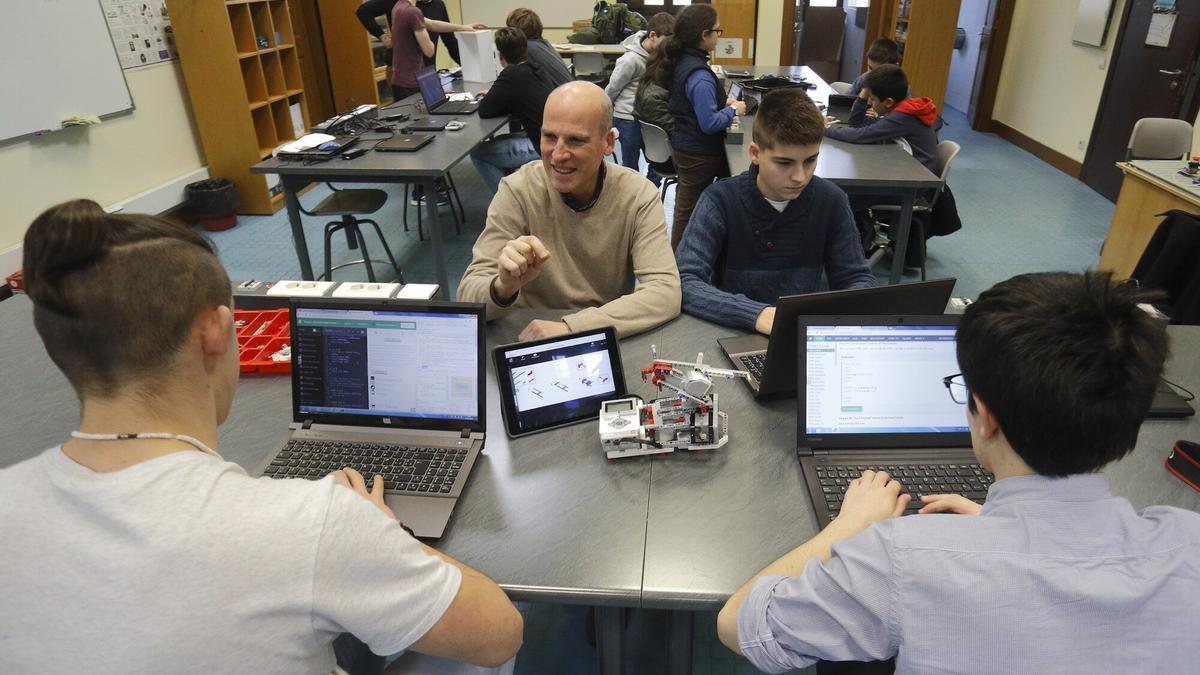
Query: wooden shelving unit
{"type": "Point", "coordinates": [358, 70]}
{"type": "Point", "coordinates": [244, 95]}
{"type": "Point", "coordinates": [925, 31]}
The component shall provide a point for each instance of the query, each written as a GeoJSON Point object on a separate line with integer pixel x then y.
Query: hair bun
{"type": "Point", "coordinates": [64, 238]}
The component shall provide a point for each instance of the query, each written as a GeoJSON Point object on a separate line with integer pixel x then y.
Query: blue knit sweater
{"type": "Point", "coordinates": [739, 254]}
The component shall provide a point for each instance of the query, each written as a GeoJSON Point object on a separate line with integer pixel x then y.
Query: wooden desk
{"type": "Point", "coordinates": [1148, 189]}
{"type": "Point", "coordinates": [568, 48]}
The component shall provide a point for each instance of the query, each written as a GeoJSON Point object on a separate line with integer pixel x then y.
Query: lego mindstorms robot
{"type": "Point", "coordinates": [688, 418]}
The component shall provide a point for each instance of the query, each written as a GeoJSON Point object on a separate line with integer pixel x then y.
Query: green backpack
{"type": "Point", "coordinates": [614, 22]}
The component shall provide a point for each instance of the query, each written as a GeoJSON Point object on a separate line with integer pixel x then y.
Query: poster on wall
{"type": "Point", "coordinates": [141, 31]}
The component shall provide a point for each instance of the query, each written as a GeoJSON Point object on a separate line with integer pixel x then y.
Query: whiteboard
{"type": "Point", "coordinates": [553, 13]}
{"type": "Point", "coordinates": [59, 62]}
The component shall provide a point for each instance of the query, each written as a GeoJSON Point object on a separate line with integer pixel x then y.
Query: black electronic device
{"type": "Point", "coordinates": [426, 124]}
{"type": "Point", "coordinates": [325, 151]}
{"type": "Point", "coordinates": [558, 381]}
{"type": "Point", "coordinates": [355, 153]}
{"type": "Point", "coordinates": [404, 143]}
{"type": "Point", "coordinates": [772, 361]}
{"type": "Point", "coordinates": [436, 101]}
{"type": "Point", "coordinates": [1168, 403]}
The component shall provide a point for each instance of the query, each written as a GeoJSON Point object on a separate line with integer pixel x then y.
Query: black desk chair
{"type": "Point", "coordinates": [348, 205]}
{"type": "Point", "coordinates": [946, 152]}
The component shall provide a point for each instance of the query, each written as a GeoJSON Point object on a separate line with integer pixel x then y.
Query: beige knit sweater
{"type": "Point", "coordinates": [595, 256]}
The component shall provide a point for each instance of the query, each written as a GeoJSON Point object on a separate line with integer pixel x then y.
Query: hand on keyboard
{"type": "Point", "coordinates": [949, 504]}
{"type": "Point", "coordinates": [873, 497]}
{"type": "Point", "coordinates": [355, 481]}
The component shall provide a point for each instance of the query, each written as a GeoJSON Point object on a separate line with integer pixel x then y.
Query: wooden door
{"type": "Point", "coordinates": [738, 19]}
{"type": "Point", "coordinates": [1142, 81]}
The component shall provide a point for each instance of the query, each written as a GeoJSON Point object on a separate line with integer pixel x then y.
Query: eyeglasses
{"type": "Point", "coordinates": [718, 31]}
{"type": "Point", "coordinates": [957, 386]}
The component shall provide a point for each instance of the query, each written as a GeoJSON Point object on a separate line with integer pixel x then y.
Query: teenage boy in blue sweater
{"type": "Point", "coordinates": [772, 230]}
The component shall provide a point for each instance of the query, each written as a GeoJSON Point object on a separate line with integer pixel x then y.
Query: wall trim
{"type": "Point", "coordinates": [1048, 155]}
{"type": "Point", "coordinates": [161, 199]}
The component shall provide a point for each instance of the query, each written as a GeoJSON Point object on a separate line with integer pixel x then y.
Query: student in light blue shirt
{"type": "Point", "coordinates": [1052, 573]}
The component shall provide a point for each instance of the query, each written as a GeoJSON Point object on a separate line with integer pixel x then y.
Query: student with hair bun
{"type": "Point", "coordinates": [134, 547]}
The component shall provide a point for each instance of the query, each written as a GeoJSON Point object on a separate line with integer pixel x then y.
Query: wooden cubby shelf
{"type": "Point", "coordinates": [247, 99]}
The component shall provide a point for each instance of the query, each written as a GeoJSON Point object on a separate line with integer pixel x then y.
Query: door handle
{"type": "Point", "coordinates": [1177, 71]}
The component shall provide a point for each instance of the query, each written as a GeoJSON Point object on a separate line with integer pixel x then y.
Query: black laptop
{"type": "Point", "coordinates": [436, 101]}
{"type": "Point", "coordinates": [839, 106]}
{"type": "Point", "coordinates": [404, 143]}
{"type": "Point", "coordinates": [390, 387]}
{"type": "Point", "coordinates": [1169, 403]}
{"type": "Point", "coordinates": [872, 396]}
{"type": "Point", "coordinates": [772, 361]}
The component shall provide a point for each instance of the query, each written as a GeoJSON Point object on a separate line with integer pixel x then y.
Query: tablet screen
{"type": "Point", "coordinates": [562, 380]}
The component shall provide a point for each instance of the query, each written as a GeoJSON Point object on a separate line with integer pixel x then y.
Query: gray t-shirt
{"type": "Point", "coordinates": [185, 564]}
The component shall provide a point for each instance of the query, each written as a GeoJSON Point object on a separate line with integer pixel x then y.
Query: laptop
{"type": "Point", "coordinates": [1168, 403]}
{"type": "Point", "coordinates": [404, 143]}
{"type": "Point", "coordinates": [343, 143]}
{"type": "Point", "coordinates": [872, 396]}
{"type": "Point", "coordinates": [839, 106]}
{"type": "Point", "coordinates": [436, 101]}
{"type": "Point", "coordinates": [772, 361]}
{"type": "Point", "coordinates": [426, 124]}
{"type": "Point", "coordinates": [393, 387]}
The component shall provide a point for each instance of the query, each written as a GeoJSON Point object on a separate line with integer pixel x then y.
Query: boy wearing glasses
{"type": "Point", "coordinates": [1052, 572]}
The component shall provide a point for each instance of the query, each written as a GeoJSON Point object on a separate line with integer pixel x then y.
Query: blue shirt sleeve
{"type": "Point", "coordinates": [701, 89]}
{"type": "Point", "coordinates": [702, 245]}
{"type": "Point", "coordinates": [838, 610]}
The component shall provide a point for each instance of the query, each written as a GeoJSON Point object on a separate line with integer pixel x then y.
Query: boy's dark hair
{"type": "Point", "coordinates": [662, 23]}
{"type": "Point", "coordinates": [1067, 363]}
{"type": "Point", "coordinates": [887, 82]}
{"type": "Point", "coordinates": [525, 20]}
{"type": "Point", "coordinates": [114, 295]}
{"type": "Point", "coordinates": [511, 44]}
{"type": "Point", "coordinates": [884, 51]}
{"type": "Point", "coordinates": [787, 117]}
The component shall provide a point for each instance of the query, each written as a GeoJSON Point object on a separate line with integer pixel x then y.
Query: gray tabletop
{"type": "Point", "coordinates": [850, 165]}
{"type": "Point", "coordinates": [447, 149]}
{"type": "Point", "coordinates": [1168, 171]}
{"type": "Point", "coordinates": [549, 517]}
{"type": "Point", "coordinates": [718, 518]}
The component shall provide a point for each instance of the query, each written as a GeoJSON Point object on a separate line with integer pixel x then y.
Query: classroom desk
{"type": "Point", "coordinates": [551, 520]}
{"type": "Point", "coordinates": [422, 167]}
{"type": "Point", "coordinates": [1148, 188]}
{"type": "Point", "coordinates": [857, 169]}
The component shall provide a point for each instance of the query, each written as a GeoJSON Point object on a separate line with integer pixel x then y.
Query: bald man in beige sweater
{"type": "Point", "coordinates": [574, 232]}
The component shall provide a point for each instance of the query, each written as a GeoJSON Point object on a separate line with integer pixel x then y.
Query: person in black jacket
{"type": "Point", "coordinates": [432, 9]}
{"type": "Point", "coordinates": [521, 91]}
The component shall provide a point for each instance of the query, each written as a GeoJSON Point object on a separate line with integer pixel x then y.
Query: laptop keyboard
{"type": "Point", "coordinates": [968, 480]}
{"type": "Point", "coordinates": [404, 468]}
{"type": "Point", "coordinates": [756, 364]}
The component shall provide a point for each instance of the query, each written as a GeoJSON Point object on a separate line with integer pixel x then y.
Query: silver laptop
{"type": "Point", "coordinates": [772, 361]}
{"type": "Point", "coordinates": [391, 387]}
{"type": "Point", "coordinates": [873, 396]}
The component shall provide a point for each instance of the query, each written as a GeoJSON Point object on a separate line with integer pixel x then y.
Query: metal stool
{"type": "Point", "coordinates": [349, 204]}
{"type": "Point", "coordinates": [459, 216]}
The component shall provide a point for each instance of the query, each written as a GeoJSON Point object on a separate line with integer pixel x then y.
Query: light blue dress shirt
{"type": "Point", "coordinates": [1054, 576]}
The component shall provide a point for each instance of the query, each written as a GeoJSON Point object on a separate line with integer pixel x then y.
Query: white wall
{"type": "Point", "coordinates": [109, 163]}
{"type": "Point", "coordinates": [972, 14]}
{"type": "Point", "coordinates": [1049, 87]}
{"type": "Point", "coordinates": [766, 39]}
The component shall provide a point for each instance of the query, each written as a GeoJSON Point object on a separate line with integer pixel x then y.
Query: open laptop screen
{"type": "Point", "coordinates": [880, 379]}
{"type": "Point", "coordinates": [381, 366]}
{"type": "Point", "coordinates": [430, 84]}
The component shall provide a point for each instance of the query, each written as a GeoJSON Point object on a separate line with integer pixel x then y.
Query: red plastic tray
{"type": "Point", "coordinates": [263, 334]}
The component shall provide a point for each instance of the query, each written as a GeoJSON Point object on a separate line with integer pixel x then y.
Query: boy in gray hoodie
{"type": "Point", "coordinates": [623, 84]}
